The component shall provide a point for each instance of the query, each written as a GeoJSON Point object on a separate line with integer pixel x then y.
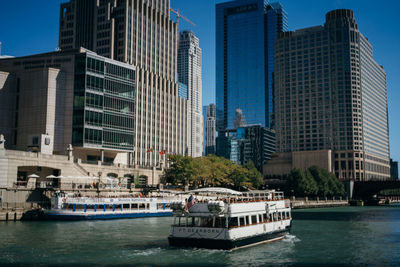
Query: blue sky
{"type": "Point", "coordinates": [29, 27]}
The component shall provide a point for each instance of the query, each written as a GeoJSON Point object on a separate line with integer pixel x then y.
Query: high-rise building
{"type": "Point", "coordinates": [72, 97]}
{"type": "Point", "coordinates": [249, 143]}
{"type": "Point", "coordinates": [330, 94]}
{"type": "Point", "coordinates": [140, 33]}
{"type": "Point", "coordinates": [245, 34]}
{"type": "Point", "coordinates": [210, 129]}
{"type": "Point", "coordinates": [189, 73]}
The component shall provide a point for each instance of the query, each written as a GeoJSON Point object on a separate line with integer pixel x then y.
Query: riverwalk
{"type": "Point", "coordinates": [306, 203]}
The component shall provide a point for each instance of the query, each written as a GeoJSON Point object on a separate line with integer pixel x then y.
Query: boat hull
{"type": "Point", "coordinates": [77, 217]}
{"type": "Point", "coordinates": [225, 243]}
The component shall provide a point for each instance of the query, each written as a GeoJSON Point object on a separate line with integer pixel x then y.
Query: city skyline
{"type": "Point", "coordinates": [42, 36]}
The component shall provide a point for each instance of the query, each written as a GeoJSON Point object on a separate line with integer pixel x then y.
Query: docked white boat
{"type": "Point", "coordinates": [65, 207]}
{"type": "Point", "coordinates": [230, 219]}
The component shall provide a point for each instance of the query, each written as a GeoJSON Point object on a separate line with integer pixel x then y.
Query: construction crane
{"type": "Point", "coordinates": [178, 16]}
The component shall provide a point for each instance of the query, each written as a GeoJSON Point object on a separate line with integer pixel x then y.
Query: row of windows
{"type": "Point", "coordinates": [232, 222]}
{"type": "Point", "coordinates": [118, 140]}
{"type": "Point", "coordinates": [121, 72]}
{"type": "Point", "coordinates": [95, 65]}
{"type": "Point", "coordinates": [119, 88]}
{"type": "Point", "coordinates": [106, 207]}
{"type": "Point", "coordinates": [116, 121]}
{"type": "Point", "coordinates": [95, 83]}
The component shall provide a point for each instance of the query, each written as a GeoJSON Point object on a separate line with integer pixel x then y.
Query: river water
{"type": "Point", "coordinates": [335, 236]}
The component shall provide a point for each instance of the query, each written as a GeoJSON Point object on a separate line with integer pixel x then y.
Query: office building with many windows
{"type": "Point", "coordinates": [75, 97]}
{"type": "Point", "coordinates": [245, 33]}
{"type": "Point", "coordinates": [140, 33]}
{"type": "Point", "coordinates": [330, 94]}
{"type": "Point", "coordinates": [189, 73]}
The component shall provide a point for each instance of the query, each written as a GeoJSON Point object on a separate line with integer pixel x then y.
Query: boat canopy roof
{"type": "Point", "coordinates": [216, 190]}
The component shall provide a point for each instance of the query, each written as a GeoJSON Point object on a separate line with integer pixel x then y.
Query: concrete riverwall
{"type": "Point", "coordinates": [306, 203]}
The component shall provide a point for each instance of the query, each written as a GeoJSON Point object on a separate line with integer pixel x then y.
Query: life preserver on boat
{"type": "Point", "coordinates": [64, 200]}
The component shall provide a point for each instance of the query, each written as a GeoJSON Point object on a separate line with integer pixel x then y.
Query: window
{"type": "Point", "coordinates": [242, 221]}
{"type": "Point", "coordinates": [254, 219]}
{"type": "Point", "coordinates": [233, 222]}
{"type": "Point", "coordinates": [35, 140]}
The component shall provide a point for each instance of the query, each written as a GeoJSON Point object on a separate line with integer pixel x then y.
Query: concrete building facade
{"type": "Point", "coordinates": [140, 33]}
{"type": "Point", "coordinates": [189, 73]}
{"type": "Point", "coordinates": [69, 97]}
{"type": "Point", "coordinates": [330, 94]}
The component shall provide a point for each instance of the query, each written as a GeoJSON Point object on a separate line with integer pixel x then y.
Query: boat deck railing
{"type": "Point", "coordinates": [247, 197]}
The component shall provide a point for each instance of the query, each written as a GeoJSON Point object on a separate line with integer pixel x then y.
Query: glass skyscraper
{"type": "Point", "coordinates": [245, 34]}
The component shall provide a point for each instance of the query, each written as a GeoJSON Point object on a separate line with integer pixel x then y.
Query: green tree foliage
{"type": "Point", "coordinates": [256, 178]}
{"type": "Point", "coordinates": [300, 183]}
{"type": "Point", "coordinates": [181, 170]}
{"type": "Point", "coordinates": [314, 181]}
{"type": "Point", "coordinates": [211, 171]}
{"type": "Point", "coordinates": [322, 180]}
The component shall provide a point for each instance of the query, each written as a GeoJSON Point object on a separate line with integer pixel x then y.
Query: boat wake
{"type": "Point", "coordinates": [147, 252]}
{"type": "Point", "coordinates": [291, 239]}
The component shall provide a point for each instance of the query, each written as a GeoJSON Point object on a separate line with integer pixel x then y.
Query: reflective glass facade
{"type": "Point", "coordinates": [104, 103]}
{"type": "Point", "coordinates": [245, 144]}
{"type": "Point", "coordinates": [183, 90]}
{"type": "Point", "coordinates": [245, 33]}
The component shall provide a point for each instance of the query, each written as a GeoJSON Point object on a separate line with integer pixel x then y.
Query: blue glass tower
{"type": "Point", "coordinates": [245, 34]}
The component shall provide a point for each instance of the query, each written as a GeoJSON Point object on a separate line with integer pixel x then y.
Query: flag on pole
{"type": "Point", "coordinates": [162, 152]}
{"type": "Point", "coordinates": [150, 150]}
{"type": "Point", "coordinates": [189, 203]}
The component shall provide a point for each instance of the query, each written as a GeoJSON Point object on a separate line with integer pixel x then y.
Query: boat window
{"type": "Point", "coordinates": [167, 205]}
{"type": "Point", "coordinates": [90, 207]}
{"type": "Point", "coordinates": [253, 219]}
{"type": "Point", "coordinates": [70, 206]}
{"type": "Point", "coordinates": [134, 206]}
{"type": "Point", "coordinates": [100, 207]}
{"type": "Point", "coordinates": [195, 221]}
{"type": "Point", "coordinates": [260, 218]}
{"type": "Point", "coordinates": [242, 221]}
{"type": "Point", "coordinates": [142, 206]}
{"type": "Point", "coordinates": [233, 222]}
{"type": "Point", "coordinates": [109, 207]}
{"type": "Point", "coordinates": [220, 222]}
{"type": "Point", "coordinates": [265, 217]}
{"type": "Point", "coordinates": [148, 206]}
{"type": "Point", "coordinates": [126, 206]}
{"type": "Point", "coordinates": [206, 222]}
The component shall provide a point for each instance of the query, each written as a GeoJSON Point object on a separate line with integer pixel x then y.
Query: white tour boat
{"type": "Point", "coordinates": [65, 207]}
{"type": "Point", "coordinates": [230, 219]}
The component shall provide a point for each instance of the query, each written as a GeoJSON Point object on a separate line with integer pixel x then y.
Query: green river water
{"type": "Point", "coordinates": [331, 236]}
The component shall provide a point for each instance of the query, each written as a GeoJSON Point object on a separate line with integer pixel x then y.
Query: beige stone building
{"type": "Point", "coordinates": [282, 163]}
{"type": "Point", "coordinates": [330, 94]}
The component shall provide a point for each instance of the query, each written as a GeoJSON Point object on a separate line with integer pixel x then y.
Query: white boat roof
{"type": "Point", "coordinates": [216, 190]}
